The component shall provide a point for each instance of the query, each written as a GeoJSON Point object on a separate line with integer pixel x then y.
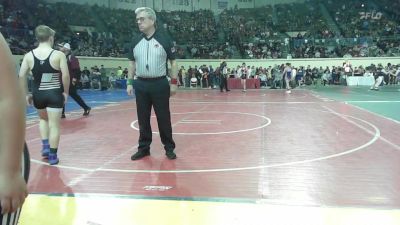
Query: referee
{"type": "Point", "coordinates": [148, 66]}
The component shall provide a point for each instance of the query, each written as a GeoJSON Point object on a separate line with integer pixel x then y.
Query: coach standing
{"type": "Point", "coordinates": [75, 74]}
{"type": "Point", "coordinates": [148, 66]}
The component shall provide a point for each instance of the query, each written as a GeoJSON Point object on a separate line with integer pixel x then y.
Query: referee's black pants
{"type": "Point", "coordinates": [156, 93]}
{"type": "Point", "coordinates": [12, 218]}
{"type": "Point", "coordinates": [223, 83]}
{"type": "Point", "coordinates": [74, 95]}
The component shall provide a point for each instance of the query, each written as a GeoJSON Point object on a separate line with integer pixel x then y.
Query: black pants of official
{"type": "Point", "coordinates": [74, 95]}
{"type": "Point", "coordinates": [153, 93]}
{"type": "Point", "coordinates": [223, 84]}
{"type": "Point", "coordinates": [12, 218]}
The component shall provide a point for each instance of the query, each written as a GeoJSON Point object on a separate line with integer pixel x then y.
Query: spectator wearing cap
{"type": "Point", "coordinates": [75, 72]}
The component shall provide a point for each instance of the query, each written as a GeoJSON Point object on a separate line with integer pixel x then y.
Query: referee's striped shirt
{"type": "Point", "coordinates": [151, 55]}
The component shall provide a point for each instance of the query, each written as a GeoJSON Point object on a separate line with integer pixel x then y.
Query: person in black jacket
{"type": "Point", "coordinates": [223, 71]}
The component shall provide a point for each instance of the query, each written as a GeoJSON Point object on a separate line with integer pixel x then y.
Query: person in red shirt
{"type": "Point", "coordinates": [74, 72]}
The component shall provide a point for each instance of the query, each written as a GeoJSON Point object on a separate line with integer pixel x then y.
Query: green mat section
{"type": "Point", "coordinates": [385, 102]}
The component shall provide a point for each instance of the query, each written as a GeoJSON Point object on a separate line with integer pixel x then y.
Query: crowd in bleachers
{"type": "Point", "coordinates": [190, 27]}
{"type": "Point", "coordinates": [204, 76]}
{"type": "Point", "coordinates": [210, 51]}
{"type": "Point", "coordinates": [248, 28]}
{"type": "Point", "coordinates": [15, 26]}
{"type": "Point", "coordinates": [353, 24]}
{"type": "Point", "coordinates": [255, 33]}
{"type": "Point", "coordinates": [391, 8]}
{"type": "Point", "coordinates": [305, 17]}
{"type": "Point", "coordinates": [260, 49]}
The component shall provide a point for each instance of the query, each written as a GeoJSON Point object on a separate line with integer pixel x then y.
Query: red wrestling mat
{"type": "Point", "coordinates": [287, 149]}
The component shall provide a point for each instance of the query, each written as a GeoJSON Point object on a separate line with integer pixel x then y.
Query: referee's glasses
{"type": "Point", "coordinates": [140, 19]}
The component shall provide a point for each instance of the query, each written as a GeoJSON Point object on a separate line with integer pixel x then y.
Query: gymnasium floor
{"type": "Point", "coordinates": [326, 155]}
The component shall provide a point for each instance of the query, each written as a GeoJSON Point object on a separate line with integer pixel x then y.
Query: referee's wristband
{"type": "Point", "coordinates": [130, 82]}
{"type": "Point", "coordinates": [174, 81]}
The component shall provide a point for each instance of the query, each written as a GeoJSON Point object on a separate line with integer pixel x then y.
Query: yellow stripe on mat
{"type": "Point", "coordinates": [99, 210]}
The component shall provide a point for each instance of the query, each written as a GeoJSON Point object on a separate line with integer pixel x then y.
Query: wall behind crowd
{"type": "Point", "coordinates": [123, 62]}
{"type": "Point", "coordinates": [105, 3]}
{"type": "Point", "coordinates": [176, 5]}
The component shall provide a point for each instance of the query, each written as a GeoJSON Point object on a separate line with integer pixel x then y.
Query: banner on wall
{"type": "Point", "coordinates": [222, 5]}
{"type": "Point", "coordinates": [128, 1]}
{"type": "Point", "coordinates": [181, 2]}
{"type": "Point", "coordinates": [130, 4]}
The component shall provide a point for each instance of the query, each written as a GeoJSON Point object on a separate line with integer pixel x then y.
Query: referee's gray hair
{"type": "Point", "coordinates": [149, 11]}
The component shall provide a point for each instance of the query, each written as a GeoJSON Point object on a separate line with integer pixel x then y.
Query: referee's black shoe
{"type": "Point", "coordinates": [140, 154]}
{"type": "Point", "coordinates": [87, 111]}
{"type": "Point", "coordinates": [170, 155]}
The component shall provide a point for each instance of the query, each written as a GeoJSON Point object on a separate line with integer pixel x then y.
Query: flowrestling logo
{"type": "Point", "coordinates": [370, 15]}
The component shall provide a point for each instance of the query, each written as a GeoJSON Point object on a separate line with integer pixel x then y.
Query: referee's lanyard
{"type": "Point", "coordinates": [147, 64]}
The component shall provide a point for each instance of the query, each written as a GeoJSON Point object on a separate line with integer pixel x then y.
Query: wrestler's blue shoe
{"type": "Point", "coordinates": [53, 159]}
{"type": "Point", "coordinates": [45, 152]}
